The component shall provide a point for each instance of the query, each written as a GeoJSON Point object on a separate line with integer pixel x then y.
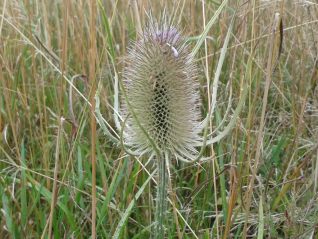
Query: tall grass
{"type": "Point", "coordinates": [60, 176]}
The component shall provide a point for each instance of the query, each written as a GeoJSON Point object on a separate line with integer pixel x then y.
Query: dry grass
{"type": "Point", "coordinates": [261, 181]}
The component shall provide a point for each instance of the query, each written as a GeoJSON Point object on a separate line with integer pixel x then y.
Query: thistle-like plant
{"type": "Point", "coordinates": [161, 100]}
{"type": "Point", "coordinates": [160, 104]}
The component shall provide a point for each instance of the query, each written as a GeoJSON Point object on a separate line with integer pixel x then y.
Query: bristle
{"type": "Point", "coordinates": [160, 82]}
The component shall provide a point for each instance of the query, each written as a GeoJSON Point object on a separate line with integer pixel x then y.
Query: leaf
{"type": "Point", "coordinates": [125, 216]}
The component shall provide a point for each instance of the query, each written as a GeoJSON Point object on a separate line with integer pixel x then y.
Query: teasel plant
{"type": "Point", "coordinates": [157, 107]}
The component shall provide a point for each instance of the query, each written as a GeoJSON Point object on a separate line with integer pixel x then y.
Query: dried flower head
{"type": "Point", "coordinates": [162, 91]}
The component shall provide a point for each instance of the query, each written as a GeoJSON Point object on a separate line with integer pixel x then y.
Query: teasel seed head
{"type": "Point", "coordinates": [162, 91]}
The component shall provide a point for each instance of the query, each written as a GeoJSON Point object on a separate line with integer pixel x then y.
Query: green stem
{"type": "Point", "coordinates": [161, 198]}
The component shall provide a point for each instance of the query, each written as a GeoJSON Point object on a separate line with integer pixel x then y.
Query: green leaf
{"type": "Point", "coordinates": [125, 216]}
{"type": "Point", "coordinates": [208, 27]}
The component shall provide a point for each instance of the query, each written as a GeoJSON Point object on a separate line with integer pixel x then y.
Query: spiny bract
{"type": "Point", "coordinates": [162, 91]}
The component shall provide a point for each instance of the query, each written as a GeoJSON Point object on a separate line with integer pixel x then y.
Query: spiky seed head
{"type": "Point", "coordinates": [162, 91]}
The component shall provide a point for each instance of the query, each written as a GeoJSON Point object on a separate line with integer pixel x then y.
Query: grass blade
{"type": "Point", "coordinates": [126, 214]}
{"type": "Point", "coordinates": [208, 27]}
{"type": "Point", "coordinates": [260, 233]}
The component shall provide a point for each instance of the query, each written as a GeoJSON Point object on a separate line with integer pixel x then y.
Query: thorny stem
{"type": "Point", "coordinates": [161, 197]}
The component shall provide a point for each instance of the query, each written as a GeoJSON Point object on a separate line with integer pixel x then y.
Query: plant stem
{"type": "Point", "coordinates": [161, 198]}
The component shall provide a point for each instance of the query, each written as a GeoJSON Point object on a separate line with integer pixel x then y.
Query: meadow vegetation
{"type": "Point", "coordinates": [61, 177]}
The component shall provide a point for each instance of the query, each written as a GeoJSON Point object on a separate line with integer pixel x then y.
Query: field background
{"type": "Point", "coordinates": [261, 179]}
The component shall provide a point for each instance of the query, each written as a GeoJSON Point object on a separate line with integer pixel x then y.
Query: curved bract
{"type": "Point", "coordinates": [160, 103]}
